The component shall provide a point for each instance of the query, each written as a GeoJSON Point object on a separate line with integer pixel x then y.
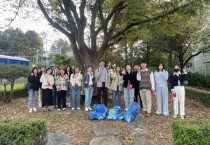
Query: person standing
{"type": "Point", "coordinates": [88, 87]}
{"type": "Point", "coordinates": [61, 83]}
{"type": "Point", "coordinates": [161, 77]}
{"type": "Point", "coordinates": [40, 72]}
{"type": "Point", "coordinates": [76, 83]}
{"type": "Point", "coordinates": [136, 86]}
{"type": "Point", "coordinates": [116, 86]}
{"type": "Point", "coordinates": [147, 84]}
{"type": "Point", "coordinates": [55, 73]}
{"type": "Point", "coordinates": [33, 91]}
{"type": "Point", "coordinates": [178, 91]}
{"type": "Point", "coordinates": [68, 72]}
{"type": "Point", "coordinates": [47, 81]}
{"type": "Point", "coordinates": [102, 78]}
{"type": "Point", "coordinates": [128, 78]}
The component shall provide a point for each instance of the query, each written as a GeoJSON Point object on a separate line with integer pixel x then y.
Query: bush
{"type": "Point", "coordinates": [191, 133]}
{"type": "Point", "coordinates": [21, 132]}
{"type": "Point", "coordinates": [198, 94]}
{"type": "Point", "coordinates": [198, 80]}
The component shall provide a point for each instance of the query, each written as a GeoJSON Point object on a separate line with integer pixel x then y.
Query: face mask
{"type": "Point", "coordinates": [176, 70]}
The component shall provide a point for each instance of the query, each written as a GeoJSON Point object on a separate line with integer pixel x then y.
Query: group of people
{"type": "Point", "coordinates": [139, 85]}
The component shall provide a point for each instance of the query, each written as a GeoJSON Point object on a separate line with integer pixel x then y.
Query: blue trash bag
{"type": "Point", "coordinates": [99, 112]}
{"type": "Point", "coordinates": [115, 114]}
{"type": "Point", "coordinates": [132, 112]}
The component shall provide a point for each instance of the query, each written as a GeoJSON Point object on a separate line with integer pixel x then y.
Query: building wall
{"type": "Point", "coordinates": [199, 65]}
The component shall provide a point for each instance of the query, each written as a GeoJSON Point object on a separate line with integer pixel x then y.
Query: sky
{"type": "Point", "coordinates": [28, 19]}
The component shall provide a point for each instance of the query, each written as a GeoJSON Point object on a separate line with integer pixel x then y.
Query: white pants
{"type": "Point", "coordinates": [179, 100]}
{"type": "Point", "coordinates": [146, 98]}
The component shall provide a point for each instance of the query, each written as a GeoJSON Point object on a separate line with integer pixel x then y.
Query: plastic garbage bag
{"type": "Point", "coordinates": [132, 112]}
{"type": "Point", "coordinates": [99, 112]}
{"type": "Point", "coordinates": [115, 114]}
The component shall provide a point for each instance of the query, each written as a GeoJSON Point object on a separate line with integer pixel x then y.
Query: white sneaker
{"type": "Point", "coordinates": [126, 109]}
{"type": "Point", "coordinates": [58, 109]}
{"type": "Point", "coordinates": [72, 108]}
{"type": "Point", "coordinates": [64, 109]}
{"type": "Point", "coordinates": [86, 109]}
{"type": "Point", "coordinates": [30, 111]}
{"type": "Point", "coordinates": [175, 116]}
{"type": "Point", "coordinates": [182, 117]}
{"type": "Point", "coordinates": [90, 108]}
{"type": "Point", "coordinates": [34, 109]}
{"type": "Point", "coordinates": [78, 108]}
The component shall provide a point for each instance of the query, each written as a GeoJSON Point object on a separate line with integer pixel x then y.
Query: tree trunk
{"type": "Point", "coordinates": [170, 59]}
{"type": "Point", "coordinates": [11, 92]}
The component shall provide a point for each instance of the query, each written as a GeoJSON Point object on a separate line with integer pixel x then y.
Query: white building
{"type": "Point", "coordinates": [201, 64]}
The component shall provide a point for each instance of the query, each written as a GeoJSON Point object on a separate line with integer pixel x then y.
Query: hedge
{"type": "Point", "coordinates": [22, 132]}
{"type": "Point", "coordinates": [191, 133]}
{"type": "Point", "coordinates": [198, 94]}
{"type": "Point", "coordinates": [198, 80]}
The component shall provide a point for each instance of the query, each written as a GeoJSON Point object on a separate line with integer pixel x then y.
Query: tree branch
{"type": "Point", "coordinates": [16, 13]}
{"type": "Point", "coordinates": [54, 24]}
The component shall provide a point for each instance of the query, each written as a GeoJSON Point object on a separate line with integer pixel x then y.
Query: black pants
{"type": "Point", "coordinates": [47, 99]}
{"type": "Point", "coordinates": [62, 98]}
{"type": "Point", "coordinates": [136, 94]}
{"type": "Point", "coordinates": [105, 93]}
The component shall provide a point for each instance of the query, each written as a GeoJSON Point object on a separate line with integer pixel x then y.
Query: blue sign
{"type": "Point", "coordinates": [70, 53]}
{"type": "Point", "coordinates": [55, 51]}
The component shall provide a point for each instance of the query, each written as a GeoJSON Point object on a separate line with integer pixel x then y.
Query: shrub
{"type": "Point", "coordinates": [198, 94]}
{"type": "Point", "coordinates": [198, 80]}
{"type": "Point", "coordinates": [191, 133]}
{"type": "Point", "coordinates": [21, 132]}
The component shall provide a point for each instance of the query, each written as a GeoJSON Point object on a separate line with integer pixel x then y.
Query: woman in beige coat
{"type": "Point", "coordinates": [116, 86]}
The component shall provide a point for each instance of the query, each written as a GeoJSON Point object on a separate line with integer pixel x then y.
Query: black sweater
{"type": "Point", "coordinates": [35, 82]}
{"type": "Point", "coordinates": [131, 77]}
{"type": "Point", "coordinates": [174, 80]}
{"type": "Point", "coordinates": [136, 82]}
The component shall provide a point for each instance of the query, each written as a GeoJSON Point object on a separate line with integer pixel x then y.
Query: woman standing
{"type": "Point", "coordinates": [68, 72]}
{"type": "Point", "coordinates": [47, 81]}
{"type": "Point", "coordinates": [88, 87]}
{"type": "Point", "coordinates": [161, 77]}
{"type": "Point", "coordinates": [178, 92]}
{"type": "Point", "coordinates": [33, 91]}
{"type": "Point", "coordinates": [61, 83]}
{"type": "Point", "coordinates": [128, 83]}
{"type": "Point", "coordinates": [76, 83]}
{"type": "Point", "coordinates": [116, 86]}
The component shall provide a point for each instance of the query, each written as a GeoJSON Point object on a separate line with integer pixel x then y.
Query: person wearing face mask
{"type": "Point", "coordinates": [161, 77]}
{"type": "Point", "coordinates": [178, 79]}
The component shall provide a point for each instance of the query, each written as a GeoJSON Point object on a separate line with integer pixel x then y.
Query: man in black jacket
{"type": "Point", "coordinates": [136, 86]}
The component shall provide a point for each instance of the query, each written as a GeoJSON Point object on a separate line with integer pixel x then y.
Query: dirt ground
{"type": "Point", "coordinates": [156, 129]}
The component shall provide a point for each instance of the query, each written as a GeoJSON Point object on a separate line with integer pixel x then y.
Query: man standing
{"type": "Point", "coordinates": [102, 77]}
{"type": "Point", "coordinates": [136, 86]}
{"type": "Point", "coordinates": [147, 84]}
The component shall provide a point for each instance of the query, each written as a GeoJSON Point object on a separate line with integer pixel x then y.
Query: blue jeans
{"type": "Point", "coordinates": [128, 96]}
{"type": "Point", "coordinates": [75, 96]}
{"type": "Point", "coordinates": [88, 96]}
{"type": "Point", "coordinates": [32, 99]}
{"type": "Point", "coordinates": [117, 98]}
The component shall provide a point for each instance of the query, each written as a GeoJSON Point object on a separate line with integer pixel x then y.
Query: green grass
{"type": "Point", "coordinates": [198, 94]}
{"type": "Point", "coordinates": [18, 86]}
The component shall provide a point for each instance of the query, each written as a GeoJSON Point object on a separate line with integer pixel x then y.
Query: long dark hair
{"type": "Point", "coordinates": [120, 72]}
{"type": "Point", "coordinates": [32, 71]}
{"type": "Point", "coordinates": [159, 65]}
{"type": "Point", "coordinates": [70, 69]}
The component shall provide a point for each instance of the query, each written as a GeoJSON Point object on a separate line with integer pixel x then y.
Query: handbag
{"type": "Point", "coordinates": [27, 86]}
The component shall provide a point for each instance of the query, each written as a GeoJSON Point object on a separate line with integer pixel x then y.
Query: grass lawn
{"type": "Point", "coordinates": [157, 129]}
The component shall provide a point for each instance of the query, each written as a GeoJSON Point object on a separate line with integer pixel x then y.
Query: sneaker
{"type": "Point", "coordinates": [175, 116]}
{"type": "Point", "coordinates": [58, 109]}
{"type": "Point", "coordinates": [72, 108]}
{"type": "Point", "coordinates": [126, 109]}
{"type": "Point", "coordinates": [90, 108]}
{"type": "Point", "coordinates": [34, 109]}
{"type": "Point", "coordinates": [30, 111]}
{"type": "Point", "coordinates": [158, 114]}
{"type": "Point", "coordinates": [64, 109]}
{"type": "Point", "coordinates": [182, 117]}
{"type": "Point", "coordinates": [78, 108]}
{"type": "Point", "coordinates": [86, 109]}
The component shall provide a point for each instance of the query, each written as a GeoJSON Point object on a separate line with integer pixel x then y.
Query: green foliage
{"type": "Point", "coordinates": [198, 80]}
{"type": "Point", "coordinates": [13, 71]}
{"type": "Point", "coordinates": [191, 133]}
{"type": "Point", "coordinates": [198, 94]}
{"type": "Point", "coordinates": [61, 44]}
{"type": "Point", "coordinates": [63, 60]}
{"type": "Point", "coordinates": [22, 132]}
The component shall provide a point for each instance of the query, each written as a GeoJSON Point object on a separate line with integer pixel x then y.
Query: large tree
{"type": "Point", "coordinates": [92, 26]}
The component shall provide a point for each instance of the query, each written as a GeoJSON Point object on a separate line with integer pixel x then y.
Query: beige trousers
{"type": "Point", "coordinates": [146, 98]}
